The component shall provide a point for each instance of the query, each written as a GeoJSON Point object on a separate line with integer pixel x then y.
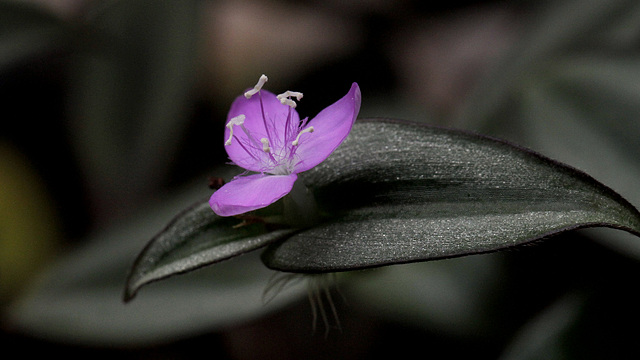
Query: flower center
{"type": "Point", "coordinates": [275, 152]}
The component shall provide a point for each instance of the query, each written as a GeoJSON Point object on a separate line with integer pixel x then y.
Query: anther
{"type": "Point", "coordinates": [285, 98]}
{"type": "Point", "coordinates": [263, 79]}
{"type": "Point", "coordinates": [265, 145]}
{"type": "Point", "coordinates": [239, 121]}
{"type": "Point", "coordinates": [297, 140]}
{"type": "Point", "coordinates": [288, 94]}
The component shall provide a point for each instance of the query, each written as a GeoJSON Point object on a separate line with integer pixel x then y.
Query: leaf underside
{"type": "Point", "coordinates": [403, 192]}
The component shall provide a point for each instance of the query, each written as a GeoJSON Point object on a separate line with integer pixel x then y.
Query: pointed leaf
{"type": "Point", "coordinates": [595, 102]}
{"type": "Point", "coordinates": [195, 238]}
{"type": "Point", "coordinates": [404, 192]}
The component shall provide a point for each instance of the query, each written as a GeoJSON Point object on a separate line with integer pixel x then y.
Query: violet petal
{"type": "Point", "coordinates": [331, 127]}
{"type": "Point", "coordinates": [249, 193]}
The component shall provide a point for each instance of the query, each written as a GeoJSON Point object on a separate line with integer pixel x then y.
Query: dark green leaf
{"type": "Point", "coordinates": [403, 192]}
{"type": "Point", "coordinates": [584, 112]}
{"type": "Point", "coordinates": [196, 238]}
{"type": "Point", "coordinates": [569, 89]}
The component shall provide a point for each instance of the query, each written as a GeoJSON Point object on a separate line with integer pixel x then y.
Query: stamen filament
{"type": "Point", "coordinates": [264, 120]}
{"type": "Point", "coordinates": [238, 121]}
{"type": "Point", "coordinates": [265, 145]}
{"type": "Point", "coordinates": [263, 79]}
{"type": "Point", "coordinates": [247, 150]}
{"type": "Point", "coordinates": [297, 140]}
{"type": "Point", "coordinates": [267, 149]}
{"type": "Point", "coordinates": [286, 127]}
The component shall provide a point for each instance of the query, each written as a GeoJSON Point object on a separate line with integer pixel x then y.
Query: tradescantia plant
{"type": "Point", "coordinates": [391, 192]}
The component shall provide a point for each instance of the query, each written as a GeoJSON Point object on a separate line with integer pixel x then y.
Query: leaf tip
{"type": "Point", "coordinates": [130, 292]}
{"type": "Point", "coordinates": [128, 296]}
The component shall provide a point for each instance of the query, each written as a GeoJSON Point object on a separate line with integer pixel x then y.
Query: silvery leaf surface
{"type": "Point", "coordinates": [400, 192]}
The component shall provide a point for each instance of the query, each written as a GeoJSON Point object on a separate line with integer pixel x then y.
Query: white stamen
{"type": "Point", "coordinates": [263, 79]}
{"type": "Point", "coordinates": [238, 121]}
{"type": "Point", "coordinates": [265, 145]}
{"type": "Point", "coordinates": [297, 140]}
{"type": "Point", "coordinates": [292, 104]}
{"type": "Point", "coordinates": [285, 98]}
{"type": "Point", "coordinates": [288, 94]}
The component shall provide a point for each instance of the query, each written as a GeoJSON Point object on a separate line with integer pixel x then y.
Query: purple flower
{"type": "Point", "coordinates": [265, 135]}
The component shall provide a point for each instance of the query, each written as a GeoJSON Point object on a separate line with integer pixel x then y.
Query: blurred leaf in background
{"type": "Point", "coordinates": [26, 31]}
{"type": "Point", "coordinates": [30, 226]}
{"type": "Point", "coordinates": [130, 91]}
{"type": "Point", "coordinates": [79, 300]}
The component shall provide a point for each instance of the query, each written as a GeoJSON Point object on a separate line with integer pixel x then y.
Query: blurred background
{"type": "Point", "coordinates": [112, 121]}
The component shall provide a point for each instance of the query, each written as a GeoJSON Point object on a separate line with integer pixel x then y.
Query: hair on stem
{"type": "Point", "coordinates": [319, 293]}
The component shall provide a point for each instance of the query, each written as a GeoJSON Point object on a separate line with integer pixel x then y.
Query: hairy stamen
{"type": "Point", "coordinates": [238, 121]}
{"type": "Point", "coordinates": [297, 140]}
{"type": "Point", "coordinates": [285, 98]}
{"type": "Point", "coordinates": [263, 79]}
